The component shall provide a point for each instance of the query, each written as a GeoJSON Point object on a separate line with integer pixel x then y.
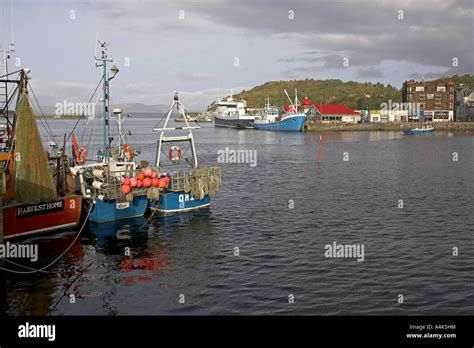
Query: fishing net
{"type": "Point", "coordinates": [33, 179]}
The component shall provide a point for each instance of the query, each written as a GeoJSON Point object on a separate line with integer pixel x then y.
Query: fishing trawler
{"type": "Point", "coordinates": [33, 201]}
{"type": "Point", "coordinates": [231, 114]}
{"type": "Point", "coordinates": [107, 182]}
{"type": "Point", "coordinates": [271, 119]}
{"type": "Point", "coordinates": [182, 190]}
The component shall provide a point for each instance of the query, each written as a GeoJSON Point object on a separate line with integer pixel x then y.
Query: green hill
{"type": "Point", "coordinates": [466, 80]}
{"type": "Point", "coordinates": [355, 95]}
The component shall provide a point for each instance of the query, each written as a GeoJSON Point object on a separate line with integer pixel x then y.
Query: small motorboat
{"type": "Point", "coordinates": [419, 130]}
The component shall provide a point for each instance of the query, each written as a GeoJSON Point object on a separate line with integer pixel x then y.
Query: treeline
{"type": "Point", "coordinates": [355, 95]}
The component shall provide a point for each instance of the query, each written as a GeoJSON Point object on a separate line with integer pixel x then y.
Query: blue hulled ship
{"type": "Point", "coordinates": [272, 120]}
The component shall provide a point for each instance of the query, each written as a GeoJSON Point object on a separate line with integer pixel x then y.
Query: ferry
{"type": "Point", "coordinates": [232, 114]}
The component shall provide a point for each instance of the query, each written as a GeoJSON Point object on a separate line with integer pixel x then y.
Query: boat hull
{"type": "Point", "coordinates": [239, 123]}
{"type": "Point", "coordinates": [179, 201]}
{"type": "Point", "coordinates": [288, 124]}
{"type": "Point", "coordinates": [24, 220]}
{"type": "Point", "coordinates": [418, 131]}
{"type": "Point", "coordinates": [111, 210]}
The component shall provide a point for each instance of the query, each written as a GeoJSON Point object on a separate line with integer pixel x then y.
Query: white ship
{"type": "Point", "coordinates": [232, 114]}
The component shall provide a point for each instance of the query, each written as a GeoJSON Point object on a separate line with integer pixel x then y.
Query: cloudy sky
{"type": "Point", "coordinates": [193, 46]}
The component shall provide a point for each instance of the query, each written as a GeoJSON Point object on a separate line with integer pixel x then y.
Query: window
{"type": "Point", "coordinates": [422, 97]}
{"type": "Point", "coordinates": [441, 89]}
{"type": "Point", "coordinates": [419, 88]}
{"type": "Point", "coordinates": [438, 106]}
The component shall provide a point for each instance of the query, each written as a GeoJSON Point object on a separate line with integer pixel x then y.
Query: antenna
{"type": "Point", "coordinates": [5, 53]}
{"type": "Point", "coordinates": [96, 40]}
{"type": "Point", "coordinates": [12, 45]}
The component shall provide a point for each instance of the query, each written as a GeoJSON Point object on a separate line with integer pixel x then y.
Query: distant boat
{"type": "Point", "coordinates": [189, 118]}
{"type": "Point", "coordinates": [231, 114]}
{"type": "Point", "coordinates": [419, 130]}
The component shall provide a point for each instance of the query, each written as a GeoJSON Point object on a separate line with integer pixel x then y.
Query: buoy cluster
{"type": "Point", "coordinates": [146, 179]}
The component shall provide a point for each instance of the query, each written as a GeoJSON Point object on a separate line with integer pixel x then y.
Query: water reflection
{"type": "Point", "coordinates": [33, 294]}
{"type": "Point", "coordinates": [112, 237]}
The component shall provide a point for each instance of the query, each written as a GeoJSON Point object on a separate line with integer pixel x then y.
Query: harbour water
{"type": "Point", "coordinates": [406, 199]}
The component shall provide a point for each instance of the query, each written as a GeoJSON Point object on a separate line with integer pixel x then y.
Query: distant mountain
{"type": "Point", "coordinates": [355, 95]}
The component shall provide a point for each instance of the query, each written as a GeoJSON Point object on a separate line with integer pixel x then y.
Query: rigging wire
{"type": "Point", "coordinates": [79, 119]}
{"type": "Point", "coordinates": [43, 117]}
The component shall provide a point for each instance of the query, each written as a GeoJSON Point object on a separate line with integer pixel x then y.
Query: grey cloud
{"type": "Point", "coordinates": [369, 72]}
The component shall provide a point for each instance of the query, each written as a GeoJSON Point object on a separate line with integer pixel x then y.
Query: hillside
{"type": "Point", "coordinates": [466, 80]}
{"type": "Point", "coordinates": [355, 95]}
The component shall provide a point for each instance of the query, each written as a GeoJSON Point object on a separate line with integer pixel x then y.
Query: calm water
{"type": "Point", "coordinates": [408, 251]}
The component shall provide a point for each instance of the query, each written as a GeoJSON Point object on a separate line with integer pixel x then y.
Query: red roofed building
{"type": "Point", "coordinates": [326, 112]}
{"type": "Point", "coordinates": [336, 113]}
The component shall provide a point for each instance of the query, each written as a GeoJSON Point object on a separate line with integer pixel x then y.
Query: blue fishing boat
{"type": "Point", "coordinates": [420, 130]}
{"type": "Point", "coordinates": [105, 184]}
{"type": "Point", "coordinates": [112, 210]}
{"type": "Point", "coordinates": [180, 201]}
{"type": "Point", "coordinates": [183, 190]}
{"type": "Point", "coordinates": [271, 119]}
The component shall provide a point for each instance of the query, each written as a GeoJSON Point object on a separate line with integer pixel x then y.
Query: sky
{"type": "Point", "coordinates": [210, 48]}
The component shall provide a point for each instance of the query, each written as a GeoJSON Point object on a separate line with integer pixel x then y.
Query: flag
{"type": "Point", "coordinates": [74, 145]}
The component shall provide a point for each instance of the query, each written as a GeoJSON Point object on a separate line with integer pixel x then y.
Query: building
{"type": "Point", "coordinates": [434, 100]}
{"type": "Point", "coordinates": [374, 116]}
{"type": "Point", "coordinates": [326, 112]}
{"type": "Point", "coordinates": [464, 104]}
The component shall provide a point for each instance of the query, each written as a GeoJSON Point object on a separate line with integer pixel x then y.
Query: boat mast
{"type": "Point", "coordinates": [106, 96]}
{"type": "Point", "coordinates": [5, 56]}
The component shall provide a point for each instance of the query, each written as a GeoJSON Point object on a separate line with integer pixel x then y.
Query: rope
{"type": "Point", "coordinates": [33, 270]}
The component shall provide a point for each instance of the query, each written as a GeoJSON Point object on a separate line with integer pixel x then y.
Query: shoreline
{"type": "Point", "coordinates": [398, 126]}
